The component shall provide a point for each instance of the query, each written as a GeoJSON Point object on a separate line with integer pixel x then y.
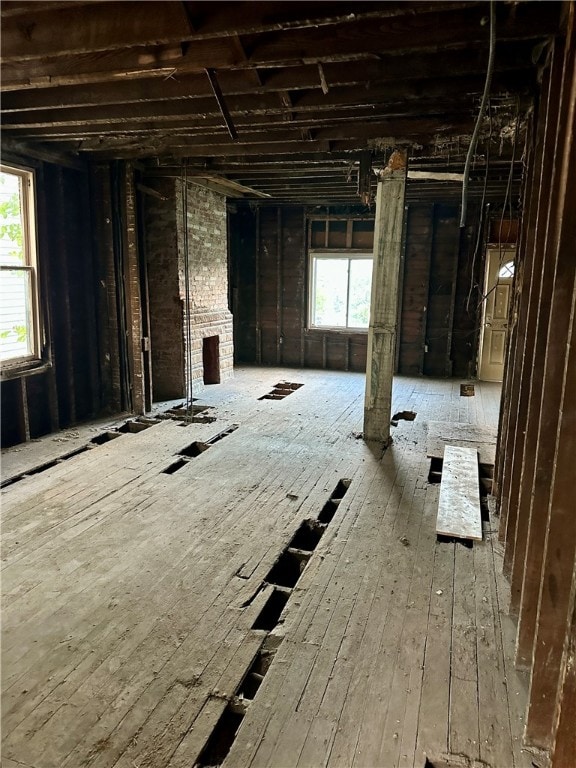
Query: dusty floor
{"type": "Point", "coordinates": [141, 608]}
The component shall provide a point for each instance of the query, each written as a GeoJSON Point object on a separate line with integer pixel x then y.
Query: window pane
{"type": "Point", "coordinates": [360, 290]}
{"type": "Point", "coordinates": [15, 326]}
{"type": "Point", "coordinates": [329, 301]}
{"type": "Point", "coordinates": [11, 219]}
{"type": "Point", "coordinates": [507, 270]}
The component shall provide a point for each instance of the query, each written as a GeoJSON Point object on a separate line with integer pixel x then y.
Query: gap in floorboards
{"type": "Point", "coordinates": [441, 539]}
{"type": "Point", "coordinates": [194, 449]}
{"type": "Point", "coordinates": [221, 739]}
{"type": "Point", "coordinates": [281, 390]}
{"type": "Point", "coordinates": [269, 616]}
{"type": "Point", "coordinates": [308, 535]}
{"type": "Point", "coordinates": [174, 467]}
{"type": "Point", "coordinates": [288, 568]}
{"type": "Point", "coordinates": [257, 671]}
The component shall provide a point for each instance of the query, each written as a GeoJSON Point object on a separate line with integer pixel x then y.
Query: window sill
{"type": "Point", "coordinates": [339, 330]}
{"type": "Point", "coordinates": [20, 369]}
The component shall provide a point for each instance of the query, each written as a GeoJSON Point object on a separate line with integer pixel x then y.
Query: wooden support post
{"type": "Point", "coordinates": [23, 417]}
{"type": "Point", "coordinates": [132, 288]}
{"type": "Point", "coordinates": [44, 276]}
{"type": "Point", "coordinates": [304, 289]}
{"type": "Point", "coordinates": [279, 290]}
{"type": "Point", "coordinates": [108, 328]}
{"type": "Point", "coordinates": [63, 323]}
{"type": "Point", "coordinates": [257, 289]}
{"type": "Point", "coordinates": [384, 304]}
{"type": "Point", "coordinates": [564, 747]}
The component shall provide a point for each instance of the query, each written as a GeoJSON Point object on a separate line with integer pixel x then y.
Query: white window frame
{"type": "Point", "coordinates": [21, 363]}
{"type": "Point", "coordinates": [347, 254]}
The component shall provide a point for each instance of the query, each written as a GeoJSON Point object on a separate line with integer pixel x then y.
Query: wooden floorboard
{"type": "Point", "coordinates": [130, 595]}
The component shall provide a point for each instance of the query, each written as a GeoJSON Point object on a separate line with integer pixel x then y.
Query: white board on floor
{"type": "Point", "coordinates": [459, 513]}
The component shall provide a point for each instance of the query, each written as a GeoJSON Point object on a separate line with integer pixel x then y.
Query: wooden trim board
{"type": "Point", "coordinates": [459, 503]}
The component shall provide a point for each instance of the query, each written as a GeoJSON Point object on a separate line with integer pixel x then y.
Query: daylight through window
{"type": "Point", "coordinates": [18, 277]}
{"type": "Point", "coordinates": [340, 290]}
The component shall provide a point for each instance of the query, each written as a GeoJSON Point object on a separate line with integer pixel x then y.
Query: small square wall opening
{"type": "Point", "coordinates": [211, 359]}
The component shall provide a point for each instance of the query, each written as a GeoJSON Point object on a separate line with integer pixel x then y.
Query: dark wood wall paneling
{"type": "Point", "coordinates": [439, 296]}
{"type": "Point", "coordinates": [537, 445]}
{"type": "Point", "coordinates": [270, 294]}
{"type": "Point", "coordinates": [70, 390]}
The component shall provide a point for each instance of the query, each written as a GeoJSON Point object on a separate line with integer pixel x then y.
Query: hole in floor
{"type": "Point", "coordinates": [221, 738]}
{"type": "Point", "coordinates": [221, 435]}
{"type": "Point", "coordinates": [484, 509]}
{"type": "Point", "coordinates": [291, 385]}
{"type": "Point", "coordinates": [174, 467]}
{"type": "Point", "coordinates": [287, 569]}
{"type": "Point", "coordinates": [466, 390]}
{"type": "Point", "coordinates": [181, 412]}
{"type": "Point", "coordinates": [435, 472]}
{"type": "Point", "coordinates": [194, 449]}
{"type": "Point", "coordinates": [255, 675]}
{"type": "Point", "coordinates": [406, 415]}
{"type": "Point", "coordinates": [468, 543]}
{"type": "Point", "coordinates": [328, 511]}
{"type": "Point", "coordinates": [308, 535]}
{"type": "Point", "coordinates": [270, 614]}
{"type": "Point", "coordinates": [197, 420]}
{"type": "Point", "coordinates": [341, 488]}
{"type": "Point", "coordinates": [486, 473]}
{"type": "Point", "coordinates": [104, 437]}
{"type": "Point", "coordinates": [133, 427]}
{"type": "Point", "coordinates": [281, 390]}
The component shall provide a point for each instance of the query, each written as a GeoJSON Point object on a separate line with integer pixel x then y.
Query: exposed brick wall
{"type": "Point", "coordinates": [208, 283]}
{"type": "Point", "coordinates": [208, 276]}
{"type": "Point", "coordinates": [166, 307]}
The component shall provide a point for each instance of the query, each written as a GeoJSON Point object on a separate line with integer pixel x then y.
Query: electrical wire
{"type": "Point", "coordinates": [485, 95]}
{"type": "Point", "coordinates": [484, 209]}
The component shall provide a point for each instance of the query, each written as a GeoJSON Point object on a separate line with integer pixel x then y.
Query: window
{"type": "Point", "coordinates": [507, 270]}
{"type": "Point", "coordinates": [340, 289]}
{"type": "Point", "coordinates": [19, 317]}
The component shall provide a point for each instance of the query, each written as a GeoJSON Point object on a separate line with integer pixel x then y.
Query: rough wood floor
{"type": "Point", "coordinates": [130, 595]}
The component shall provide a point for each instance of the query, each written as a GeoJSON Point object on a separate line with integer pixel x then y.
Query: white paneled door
{"type": "Point", "coordinates": [497, 294]}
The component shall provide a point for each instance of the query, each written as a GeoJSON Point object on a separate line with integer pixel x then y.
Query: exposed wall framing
{"type": "Point", "coordinates": [270, 288]}
{"type": "Point", "coordinates": [537, 443]}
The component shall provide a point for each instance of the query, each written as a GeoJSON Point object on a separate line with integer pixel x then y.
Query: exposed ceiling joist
{"type": "Point", "coordinates": [295, 91]}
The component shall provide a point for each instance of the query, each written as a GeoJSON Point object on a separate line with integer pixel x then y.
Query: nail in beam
{"type": "Point", "coordinates": [384, 304]}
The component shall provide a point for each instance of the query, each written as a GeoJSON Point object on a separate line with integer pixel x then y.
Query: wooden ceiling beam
{"type": "Point", "coordinates": [405, 131]}
{"type": "Point", "coordinates": [354, 40]}
{"type": "Point", "coordinates": [10, 8]}
{"type": "Point", "coordinates": [262, 124]}
{"type": "Point", "coordinates": [435, 29]}
{"type": "Point", "coordinates": [452, 64]}
{"type": "Point", "coordinates": [283, 164]}
{"type": "Point", "coordinates": [250, 106]}
{"type": "Point", "coordinates": [67, 29]}
{"type": "Point", "coordinates": [409, 127]}
{"type": "Point", "coordinates": [93, 28]}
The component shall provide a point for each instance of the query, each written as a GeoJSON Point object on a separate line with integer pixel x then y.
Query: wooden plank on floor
{"type": "Point", "coordinates": [459, 512]}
